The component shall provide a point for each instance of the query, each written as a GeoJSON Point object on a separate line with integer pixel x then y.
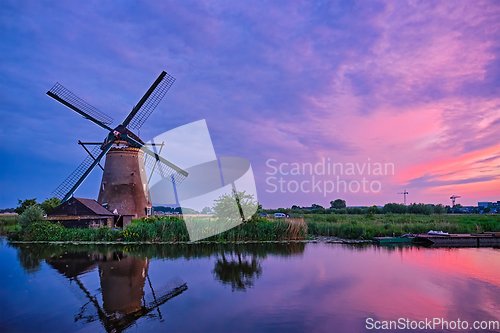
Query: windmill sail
{"type": "Point", "coordinates": [66, 97]}
{"type": "Point", "coordinates": [70, 184]}
{"type": "Point", "coordinates": [141, 112]}
{"type": "Point", "coordinates": [159, 296]}
{"type": "Point", "coordinates": [169, 172]}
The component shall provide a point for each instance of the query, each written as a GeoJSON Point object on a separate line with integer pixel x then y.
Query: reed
{"type": "Point", "coordinates": [8, 223]}
{"type": "Point", "coordinates": [173, 229]}
{"type": "Point", "coordinates": [162, 230]}
{"type": "Point", "coordinates": [367, 227]}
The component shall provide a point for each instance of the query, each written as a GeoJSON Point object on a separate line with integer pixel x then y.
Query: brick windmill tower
{"type": "Point", "coordinates": [124, 185]}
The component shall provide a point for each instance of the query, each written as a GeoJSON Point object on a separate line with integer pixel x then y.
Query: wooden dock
{"type": "Point", "coordinates": [467, 240]}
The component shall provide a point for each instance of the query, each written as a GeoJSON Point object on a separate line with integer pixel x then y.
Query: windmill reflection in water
{"type": "Point", "coordinates": [122, 280]}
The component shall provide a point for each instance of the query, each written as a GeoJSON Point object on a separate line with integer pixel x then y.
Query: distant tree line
{"type": "Point", "coordinates": [178, 210]}
{"type": "Point", "coordinates": [339, 206]}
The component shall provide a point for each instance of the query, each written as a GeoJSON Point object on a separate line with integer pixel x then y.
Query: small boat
{"type": "Point", "coordinates": [408, 238]}
{"type": "Point", "coordinates": [437, 233]}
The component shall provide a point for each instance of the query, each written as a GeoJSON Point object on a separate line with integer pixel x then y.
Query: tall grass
{"type": "Point", "coordinates": [367, 227]}
{"type": "Point", "coordinates": [264, 230]}
{"type": "Point", "coordinates": [8, 223]}
{"type": "Point", "coordinates": [162, 230]}
{"type": "Point", "coordinates": [173, 229]}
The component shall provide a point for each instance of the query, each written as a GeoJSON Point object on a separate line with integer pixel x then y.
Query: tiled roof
{"type": "Point", "coordinates": [94, 206]}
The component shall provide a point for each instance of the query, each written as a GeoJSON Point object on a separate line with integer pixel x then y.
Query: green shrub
{"type": "Point", "coordinates": [30, 215]}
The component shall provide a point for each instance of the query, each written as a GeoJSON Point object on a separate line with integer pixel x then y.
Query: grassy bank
{"type": "Point", "coordinates": [173, 229]}
{"type": "Point", "coordinates": [371, 225]}
{"type": "Point", "coordinates": [169, 229]}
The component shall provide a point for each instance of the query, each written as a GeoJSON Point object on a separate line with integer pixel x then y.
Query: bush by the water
{"type": "Point", "coordinates": [31, 214]}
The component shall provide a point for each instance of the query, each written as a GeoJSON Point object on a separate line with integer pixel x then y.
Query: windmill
{"type": "Point", "coordinates": [453, 197]}
{"type": "Point", "coordinates": [124, 186]}
{"type": "Point", "coordinates": [404, 195]}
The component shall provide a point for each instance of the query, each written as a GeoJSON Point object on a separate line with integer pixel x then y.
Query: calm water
{"type": "Point", "coordinates": [245, 288]}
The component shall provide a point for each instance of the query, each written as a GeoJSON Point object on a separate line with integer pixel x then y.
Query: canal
{"type": "Point", "coordinates": [266, 287]}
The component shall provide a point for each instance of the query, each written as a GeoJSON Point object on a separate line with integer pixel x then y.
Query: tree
{"type": "Point", "coordinates": [22, 205]}
{"type": "Point", "coordinates": [338, 204]}
{"type": "Point", "coordinates": [186, 210]}
{"type": "Point", "coordinates": [439, 209]}
{"type": "Point", "coordinates": [457, 209]}
{"type": "Point", "coordinates": [419, 208]}
{"type": "Point", "coordinates": [206, 210]}
{"type": "Point", "coordinates": [232, 206]}
{"type": "Point", "coordinates": [395, 208]}
{"type": "Point", "coordinates": [31, 214]}
{"type": "Point", "coordinates": [339, 211]}
{"type": "Point", "coordinates": [318, 209]}
{"type": "Point", "coordinates": [49, 204]}
{"type": "Point", "coordinates": [354, 210]}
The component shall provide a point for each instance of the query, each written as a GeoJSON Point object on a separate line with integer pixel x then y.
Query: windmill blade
{"type": "Point", "coordinates": [63, 189]}
{"type": "Point", "coordinates": [164, 293]}
{"type": "Point", "coordinates": [66, 97]}
{"type": "Point", "coordinates": [164, 168]}
{"type": "Point", "coordinates": [141, 112]}
{"type": "Point", "coordinates": [71, 184]}
{"type": "Point", "coordinates": [154, 166]}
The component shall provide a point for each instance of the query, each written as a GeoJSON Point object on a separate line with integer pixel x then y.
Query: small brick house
{"type": "Point", "coordinates": [83, 213]}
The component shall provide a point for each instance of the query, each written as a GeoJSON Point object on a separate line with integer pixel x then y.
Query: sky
{"type": "Point", "coordinates": [412, 85]}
